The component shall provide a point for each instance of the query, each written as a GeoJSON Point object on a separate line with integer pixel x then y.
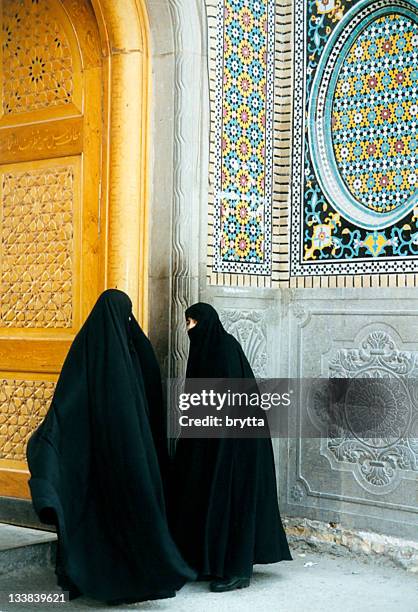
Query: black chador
{"type": "Point", "coordinates": [225, 510]}
{"type": "Point", "coordinates": [94, 464]}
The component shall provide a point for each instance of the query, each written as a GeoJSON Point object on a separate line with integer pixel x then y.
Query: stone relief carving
{"type": "Point", "coordinates": [250, 329]}
{"type": "Point", "coordinates": [297, 492]}
{"type": "Point", "coordinates": [298, 311]}
{"type": "Point", "coordinates": [375, 431]}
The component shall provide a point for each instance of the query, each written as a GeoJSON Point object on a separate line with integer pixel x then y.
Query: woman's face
{"type": "Point", "coordinates": [190, 323]}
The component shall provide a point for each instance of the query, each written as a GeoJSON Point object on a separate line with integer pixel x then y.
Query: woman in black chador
{"type": "Point", "coordinates": [225, 511]}
{"type": "Point", "coordinates": [95, 464]}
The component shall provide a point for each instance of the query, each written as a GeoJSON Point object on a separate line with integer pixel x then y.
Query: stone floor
{"type": "Point", "coordinates": [312, 582]}
{"type": "Point", "coordinates": [15, 537]}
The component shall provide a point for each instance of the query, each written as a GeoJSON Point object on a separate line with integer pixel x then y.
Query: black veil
{"type": "Point", "coordinates": [94, 463]}
{"type": "Point", "coordinates": [225, 513]}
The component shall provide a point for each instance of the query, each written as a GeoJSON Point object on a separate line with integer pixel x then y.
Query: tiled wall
{"type": "Point", "coordinates": [313, 136]}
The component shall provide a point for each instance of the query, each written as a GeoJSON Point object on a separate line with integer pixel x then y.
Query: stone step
{"type": "Point", "coordinates": [19, 512]}
{"type": "Point", "coordinates": [21, 547]}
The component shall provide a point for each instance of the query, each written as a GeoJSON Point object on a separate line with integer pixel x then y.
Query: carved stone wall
{"type": "Point", "coordinates": [357, 474]}
{"type": "Point", "coordinates": [359, 478]}
{"type": "Point", "coordinates": [251, 320]}
{"type": "Point", "coordinates": [250, 329]}
{"type": "Point", "coordinates": [387, 406]}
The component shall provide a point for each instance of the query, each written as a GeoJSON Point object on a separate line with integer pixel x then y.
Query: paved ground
{"type": "Point", "coordinates": [14, 537]}
{"type": "Point", "coordinates": [330, 584]}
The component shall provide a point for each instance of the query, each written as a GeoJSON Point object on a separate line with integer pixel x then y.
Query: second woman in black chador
{"type": "Point", "coordinates": [95, 470]}
{"type": "Point", "coordinates": [225, 511]}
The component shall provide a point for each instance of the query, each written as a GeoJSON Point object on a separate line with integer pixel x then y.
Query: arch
{"type": "Point", "coordinates": [179, 175]}
{"type": "Point", "coordinates": [117, 46]}
{"type": "Point", "coordinates": [123, 27]}
{"type": "Point", "coordinates": [156, 55]}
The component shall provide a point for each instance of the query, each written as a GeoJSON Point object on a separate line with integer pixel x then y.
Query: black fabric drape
{"type": "Point", "coordinates": [225, 514]}
{"type": "Point", "coordinates": [94, 466]}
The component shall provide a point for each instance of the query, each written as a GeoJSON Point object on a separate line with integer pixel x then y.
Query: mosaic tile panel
{"type": "Point", "coordinates": [374, 115]}
{"type": "Point", "coordinates": [355, 162]}
{"type": "Point", "coordinates": [244, 108]}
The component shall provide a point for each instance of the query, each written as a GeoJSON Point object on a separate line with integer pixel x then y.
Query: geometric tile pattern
{"type": "Point", "coordinates": [36, 248]}
{"type": "Point", "coordinates": [355, 163]}
{"type": "Point", "coordinates": [374, 118]}
{"type": "Point", "coordinates": [244, 109]}
{"type": "Point", "coordinates": [23, 405]}
{"type": "Point", "coordinates": [37, 63]}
